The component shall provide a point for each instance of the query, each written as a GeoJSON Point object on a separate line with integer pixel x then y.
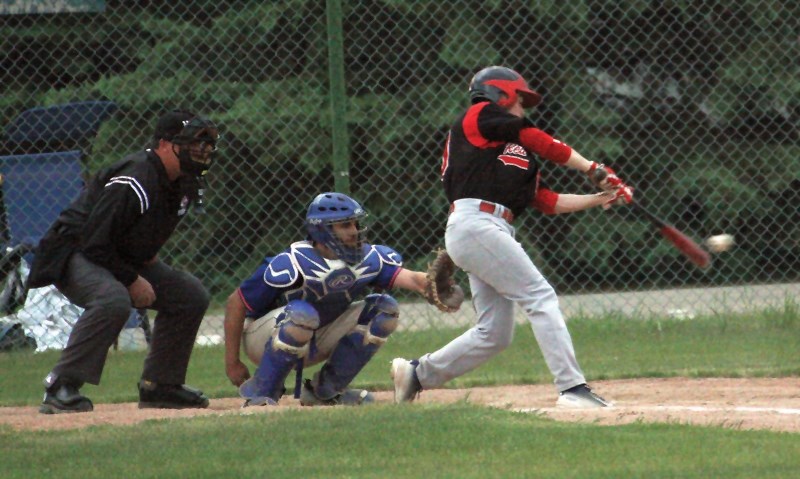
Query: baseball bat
{"type": "Point", "coordinates": [685, 245]}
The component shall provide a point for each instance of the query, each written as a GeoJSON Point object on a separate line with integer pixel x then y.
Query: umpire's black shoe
{"type": "Point", "coordinates": [170, 396]}
{"type": "Point", "coordinates": [64, 397]}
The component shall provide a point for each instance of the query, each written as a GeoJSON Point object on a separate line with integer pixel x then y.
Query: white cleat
{"type": "Point", "coordinates": [581, 397]}
{"type": "Point", "coordinates": [406, 384]}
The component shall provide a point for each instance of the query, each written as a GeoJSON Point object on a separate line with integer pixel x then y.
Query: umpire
{"type": "Point", "coordinates": [101, 253]}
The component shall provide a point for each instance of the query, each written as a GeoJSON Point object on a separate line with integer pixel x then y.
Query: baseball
{"type": "Point", "coordinates": [455, 300]}
{"type": "Point", "coordinates": [719, 243]}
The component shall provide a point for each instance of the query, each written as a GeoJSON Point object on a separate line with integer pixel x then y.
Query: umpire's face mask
{"type": "Point", "coordinates": [197, 145]}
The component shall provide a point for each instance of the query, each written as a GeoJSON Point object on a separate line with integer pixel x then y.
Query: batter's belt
{"type": "Point", "coordinates": [495, 209]}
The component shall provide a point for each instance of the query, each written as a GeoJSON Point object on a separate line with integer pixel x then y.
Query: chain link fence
{"type": "Point", "coordinates": [695, 103]}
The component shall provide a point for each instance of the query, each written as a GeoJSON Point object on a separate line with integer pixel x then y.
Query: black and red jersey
{"type": "Point", "coordinates": [484, 158]}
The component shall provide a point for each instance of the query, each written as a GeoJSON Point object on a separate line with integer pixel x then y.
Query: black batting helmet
{"type": "Point", "coordinates": [501, 85]}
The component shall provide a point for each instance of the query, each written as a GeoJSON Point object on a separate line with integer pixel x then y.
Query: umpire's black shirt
{"type": "Point", "coordinates": [126, 213]}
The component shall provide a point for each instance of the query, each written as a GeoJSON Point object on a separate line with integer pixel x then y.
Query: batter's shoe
{"type": "Point", "coordinates": [64, 397]}
{"type": "Point", "coordinates": [350, 397]}
{"type": "Point", "coordinates": [170, 396]}
{"type": "Point", "coordinates": [406, 383]}
{"type": "Point", "coordinates": [580, 397]}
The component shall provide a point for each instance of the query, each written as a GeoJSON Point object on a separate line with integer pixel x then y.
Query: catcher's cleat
{"type": "Point", "coordinates": [350, 397]}
{"type": "Point", "coordinates": [581, 397]}
{"type": "Point", "coordinates": [406, 383]}
{"type": "Point", "coordinates": [64, 398]}
{"type": "Point", "coordinates": [259, 401]}
{"type": "Point", "coordinates": [251, 391]}
{"type": "Point", "coordinates": [170, 396]}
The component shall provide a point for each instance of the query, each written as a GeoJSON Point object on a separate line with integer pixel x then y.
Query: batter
{"type": "Point", "coordinates": [490, 176]}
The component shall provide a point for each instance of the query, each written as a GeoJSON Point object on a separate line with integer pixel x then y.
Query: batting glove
{"type": "Point", "coordinates": [623, 195]}
{"type": "Point", "coordinates": [604, 177]}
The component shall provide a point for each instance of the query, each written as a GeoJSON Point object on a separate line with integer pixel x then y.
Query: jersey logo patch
{"type": "Point", "coordinates": [341, 279]}
{"type": "Point", "coordinates": [515, 155]}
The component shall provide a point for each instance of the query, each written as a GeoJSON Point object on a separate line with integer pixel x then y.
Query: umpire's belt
{"type": "Point", "coordinates": [472, 204]}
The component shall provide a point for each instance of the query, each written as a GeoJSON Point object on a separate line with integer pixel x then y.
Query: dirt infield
{"type": "Point", "coordinates": [763, 403]}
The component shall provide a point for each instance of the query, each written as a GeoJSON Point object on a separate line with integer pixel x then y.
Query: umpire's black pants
{"type": "Point", "coordinates": [181, 302]}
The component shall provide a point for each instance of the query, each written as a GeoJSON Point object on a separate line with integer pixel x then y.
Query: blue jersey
{"type": "Point", "coordinates": [330, 285]}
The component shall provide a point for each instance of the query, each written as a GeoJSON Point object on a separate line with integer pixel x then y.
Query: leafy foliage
{"type": "Point", "coordinates": [693, 104]}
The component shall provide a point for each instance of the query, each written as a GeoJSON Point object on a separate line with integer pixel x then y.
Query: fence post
{"type": "Point", "coordinates": [338, 98]}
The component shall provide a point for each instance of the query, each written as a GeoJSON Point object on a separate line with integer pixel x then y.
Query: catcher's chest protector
{"type": "Point", "coordinates": [330, 285]}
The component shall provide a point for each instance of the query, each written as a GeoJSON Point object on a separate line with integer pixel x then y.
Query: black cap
{"type": "Point", "coordinates": [171, 124]}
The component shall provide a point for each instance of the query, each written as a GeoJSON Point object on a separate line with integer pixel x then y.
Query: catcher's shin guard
{"type": "Point", "coordinates": [286, 348]}
{"type": "Point", "coordinates": [376, 322]}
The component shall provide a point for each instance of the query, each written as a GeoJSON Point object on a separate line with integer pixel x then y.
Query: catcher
{"type": "Point", "coordinates": [298, 309]}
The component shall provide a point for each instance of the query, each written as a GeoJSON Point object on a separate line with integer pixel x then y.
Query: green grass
{"type": "Point", "coordinates": [454, 441]}
{"type": "Point", "coordinates": [609, 348]}
{"type": "Point", "coordinates": [458, 440]}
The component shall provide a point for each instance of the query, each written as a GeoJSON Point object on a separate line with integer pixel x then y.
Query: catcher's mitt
{"type": "Point", "coordinates": [441, 290]}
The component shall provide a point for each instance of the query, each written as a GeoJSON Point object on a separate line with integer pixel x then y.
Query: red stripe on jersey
{"type": "Point", "coordinates": [445, 155]}
{"type": "Point", "coordinates": [394, 277]}
{"type": "Point", "coordinates": [241, 296]}
{"type": "Point", "coordinates": [471, 130]}
{"type": "Point", "coordinates": [514, 161]}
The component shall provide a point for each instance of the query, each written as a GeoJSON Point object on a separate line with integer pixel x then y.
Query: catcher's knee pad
{"type": "Point", "coordinates": [301, 313]}
{"type": "Point", "coordinates": [378, 319]}
{"type": "Point", "coordinates": [285, 349]}
{"type": "Point", "coordinates": [295, 327]}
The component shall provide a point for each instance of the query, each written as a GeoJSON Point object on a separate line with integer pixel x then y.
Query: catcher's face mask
{"type": "Point", "coordinates": [337, 221]}
{"type": "Point", "coordinates": [347, 232]}
{"type": "Point", "coordinates": [346, 238]}
{"type": "Point", "coordinates": [197, 144]}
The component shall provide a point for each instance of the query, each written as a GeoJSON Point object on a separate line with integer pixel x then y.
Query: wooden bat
{"type": "Point", "coordinates": [685, 245]}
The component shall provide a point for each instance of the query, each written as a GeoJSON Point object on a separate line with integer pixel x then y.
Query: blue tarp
{"type": "Point", "coordinates": [35, 189]}
{"type": "Point", "coordinates": [72, 122]}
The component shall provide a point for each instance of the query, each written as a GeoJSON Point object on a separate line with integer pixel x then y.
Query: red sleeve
{"type": "Point", "coordinates": [544, 145]}
{"type": "Point", "coordinates": [545, 201]}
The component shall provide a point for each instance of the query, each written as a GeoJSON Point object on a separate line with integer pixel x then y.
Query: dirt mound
{"type": "Point", "coordinates": [762, 403]}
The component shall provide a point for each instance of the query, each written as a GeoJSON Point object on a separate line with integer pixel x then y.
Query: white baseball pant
{"type": "Point", "coordinates": [500, 275]}
{"type": "Point", "coordinates": [258, 331]}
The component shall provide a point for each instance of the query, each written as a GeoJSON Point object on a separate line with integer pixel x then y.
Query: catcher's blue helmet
{"type": "Point", "coordinates": [330, 208]}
